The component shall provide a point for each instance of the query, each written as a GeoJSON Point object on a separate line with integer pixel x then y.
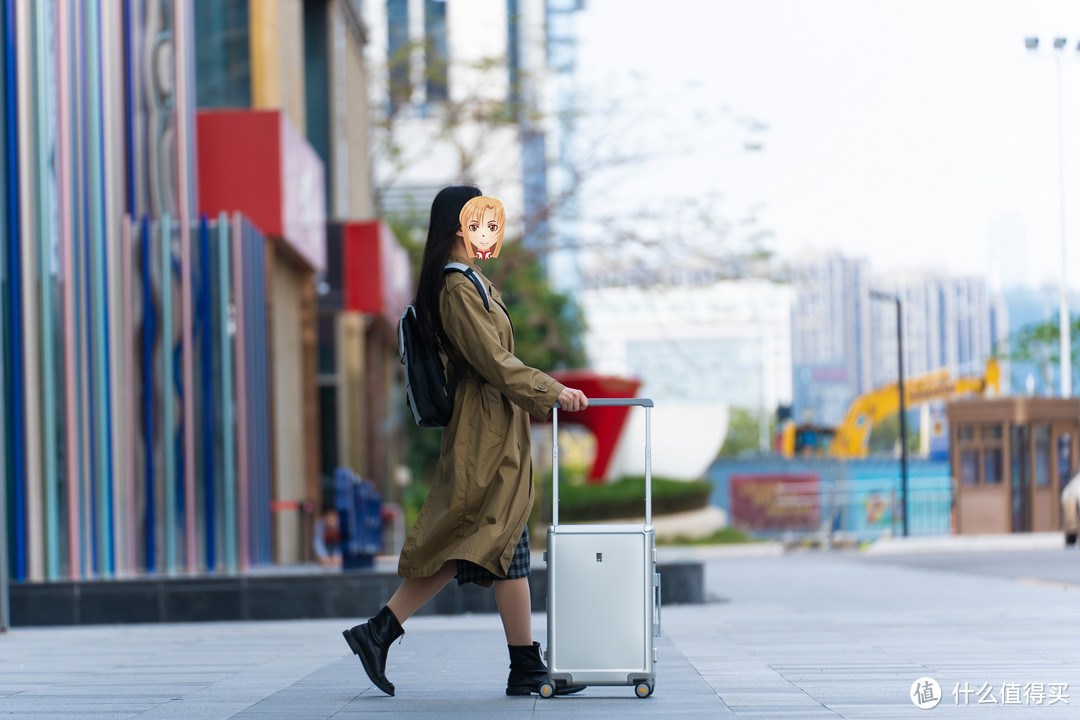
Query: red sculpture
{"type": "Point", "coordinates": [606, 423]}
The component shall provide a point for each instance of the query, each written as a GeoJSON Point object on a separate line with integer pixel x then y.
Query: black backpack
{"type": "Point", "coordinates": [427, 390]}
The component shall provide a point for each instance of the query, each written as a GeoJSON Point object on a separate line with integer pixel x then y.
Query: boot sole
{"type": "Point", "coordinates": [355, 647]}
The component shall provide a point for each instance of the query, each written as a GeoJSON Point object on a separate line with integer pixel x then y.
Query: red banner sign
{"type": "Point", "coordinates": [775, 501]}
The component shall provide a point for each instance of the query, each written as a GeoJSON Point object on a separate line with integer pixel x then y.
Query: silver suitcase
{"type": "Point", "coordinates": [603, 597]}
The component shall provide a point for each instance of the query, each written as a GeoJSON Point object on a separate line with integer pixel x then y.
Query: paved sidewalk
{"type": "Point", "coordinates": [967, 543]}
{"type": "Point", "coordinates": [797, 635]}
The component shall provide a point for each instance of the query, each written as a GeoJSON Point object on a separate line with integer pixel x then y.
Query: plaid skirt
{"type": "Point", "coordinates": [520, 565]}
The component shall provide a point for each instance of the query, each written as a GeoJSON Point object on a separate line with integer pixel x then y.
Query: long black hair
{"type": "Point", "coordinates": [442, 232]}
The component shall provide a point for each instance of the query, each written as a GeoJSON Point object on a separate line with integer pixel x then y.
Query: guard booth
{"type": "Point", "coordinates": [1010, 458]}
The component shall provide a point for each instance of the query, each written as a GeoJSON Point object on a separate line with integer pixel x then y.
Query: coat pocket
{"type": "Point", "coordinates": [496, 415]}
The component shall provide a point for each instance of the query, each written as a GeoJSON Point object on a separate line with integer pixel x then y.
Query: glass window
{"type": "Point", "coordinates": [327, 343]}
{"type": "Point", "coordinates": [513, 50]}
{"type": "Point", "coordinates": [397, 20]}
{"type": "Point", "coordinates": [317, 91]}
{"type": "Point", "coordinates": [1021, 478]}
{"type": "Point", "coordinates": [992, 432]}
{"type": "Point", "coordinates": [328, 448]}
{"type": "Point", "coordinates": [1042, 455]}
{"type": "Point", "coordinates": [993, 464]}
{"type": "Point", "coordinates": [436, 56]}
{"type": "Point", "coordinates": [222, 53]}
{"type": "Point", "coordinates": [965, 433]}
{"type": "Point", "coordinates": [1064, 451]}
{"type": "Point", "coordinates": [969, 468]}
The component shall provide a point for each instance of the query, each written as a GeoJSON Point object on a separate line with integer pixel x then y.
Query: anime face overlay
{"type": "Point", "coordinates": [482, 225]}
{"type": "Point", "coordinates": [483, 232]}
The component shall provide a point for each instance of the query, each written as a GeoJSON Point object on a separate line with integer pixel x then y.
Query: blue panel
{"type": "Point", "coordinates": [228, 433]}
{"type": "Point", "coordinates": [171, 438]}
{"type": "Point", "coordinates": [5, 472]}
{"type": "Point", "coordinates": [206, 343]}
{"type": "Point", "coordinates": [148, 330]}
{"type": "Point", "coordinates": [18, 447]}
{"type": "Point", "coordinates": [87, 253]}
{"type": "Point", "coordinates": [47, 197]}
{"type": "Point", "coordinates": [100, 308]}
{"type": "Point", "coordinates": [253, 390]}
{"type": "Point", "coordinates": [131, 66]}
{"type": "Point", "coordinates": [258, 394]}
{"type": "Point", "coordinates": [253, 289]}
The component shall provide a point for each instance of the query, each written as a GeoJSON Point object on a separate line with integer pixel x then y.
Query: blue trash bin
{"type": "Point", "coordinates": [359, 507]}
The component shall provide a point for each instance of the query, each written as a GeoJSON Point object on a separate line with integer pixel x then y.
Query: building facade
{"type": "Point", "coordinates": [161, 408]}
{"type": "Point", "coordinates": [949, 322]}
{"type": "Point", "coordinates": [698, 351]}
{"type": "Point", "coordinates": [127, 447]}
{"type": "Point", "coordinates": [333, 362]}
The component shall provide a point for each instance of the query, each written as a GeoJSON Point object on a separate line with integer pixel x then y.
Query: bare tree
{"type": "Point", "coordinates": [476, 136]}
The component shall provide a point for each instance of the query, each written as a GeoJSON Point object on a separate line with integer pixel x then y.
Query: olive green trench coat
{"type": "Point", "coordinates": [482, 492]}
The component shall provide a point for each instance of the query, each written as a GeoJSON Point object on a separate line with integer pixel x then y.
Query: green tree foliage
{"type": "Point", "coordinates": [548, 325]}
{"type": "Point", "coordinates": [1040, 345]}
{"type": "Point", "coordinates": [885, 436]}
{"type": "Point", "coordinates": [744, 432]}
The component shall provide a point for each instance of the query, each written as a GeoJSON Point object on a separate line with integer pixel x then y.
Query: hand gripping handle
{"type": "Point", "coordinates": [620, 402]}
{"type": "Point", "coordinates": [615, 402]}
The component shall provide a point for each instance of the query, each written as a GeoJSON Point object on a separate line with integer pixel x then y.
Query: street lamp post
{"type": "Point", "coordinates": [903, 405]}
{"type": "Point", "coordinates": [1060, 43]}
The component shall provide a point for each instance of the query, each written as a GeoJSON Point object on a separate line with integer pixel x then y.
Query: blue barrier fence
{"type": "Point", "coordinates": [858, 500]}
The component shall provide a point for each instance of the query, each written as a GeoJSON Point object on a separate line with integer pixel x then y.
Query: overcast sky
{"type": "Point", "coordinates": [916, 133]}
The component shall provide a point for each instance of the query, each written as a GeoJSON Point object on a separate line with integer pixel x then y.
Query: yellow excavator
{"type": "Point", "coordinates": [851, 438]}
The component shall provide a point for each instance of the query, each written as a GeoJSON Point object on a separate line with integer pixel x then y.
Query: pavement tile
{"type": "Point", "coordinates": [803, 635]}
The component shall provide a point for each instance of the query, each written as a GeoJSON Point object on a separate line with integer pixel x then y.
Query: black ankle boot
{"type": "Point", "coordinates": [370, 641]}
{"type": "Point", "coordinates": [527, 672]}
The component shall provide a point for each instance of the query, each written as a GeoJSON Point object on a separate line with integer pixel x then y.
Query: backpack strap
{"type": "Point", "coordinates": [471, 274]}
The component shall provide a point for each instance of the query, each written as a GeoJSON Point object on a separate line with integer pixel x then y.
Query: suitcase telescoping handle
{"type": "Point", "coordinates": [603, 402]}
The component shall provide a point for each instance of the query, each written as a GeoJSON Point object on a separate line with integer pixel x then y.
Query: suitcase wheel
{"type": "Point", "coordinates": [643, 689]}
{"type": "Point", "coordinates": [547, 690]}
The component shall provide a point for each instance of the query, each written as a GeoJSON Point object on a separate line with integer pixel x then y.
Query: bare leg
{"type": "Point", "coordinates": [414, 593]}
{"type": "Point", "coordinates": [515, 609]}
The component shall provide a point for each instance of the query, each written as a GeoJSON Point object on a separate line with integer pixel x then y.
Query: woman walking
{"type": "Point", "coordinates": [474, 523]}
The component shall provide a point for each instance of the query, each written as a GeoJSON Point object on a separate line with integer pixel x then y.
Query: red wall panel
{"type": "Point", "coordinates": [240, 166]}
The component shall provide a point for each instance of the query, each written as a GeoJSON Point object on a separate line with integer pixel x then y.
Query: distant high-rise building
{"type": "Point", "coordinates": [949, 322]}
{"type": "Point", "coordinates": [844, 342]}
{"type": "Point", "coordinates": [830, 348]}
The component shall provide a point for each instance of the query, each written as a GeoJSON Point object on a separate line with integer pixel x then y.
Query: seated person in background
{"type": "Point", "coordinates": [327, 540]}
